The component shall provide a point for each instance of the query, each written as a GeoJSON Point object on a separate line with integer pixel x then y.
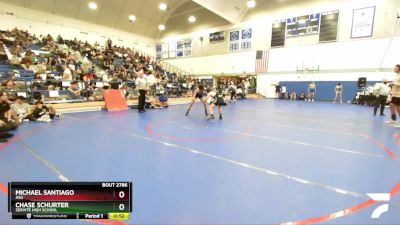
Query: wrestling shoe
{"type": "Point", "coordinates": [220, 117]}
{"type": "Point", "coordinates": [391, 122]}
{"type": "Point", "coordinates": [210, 118]}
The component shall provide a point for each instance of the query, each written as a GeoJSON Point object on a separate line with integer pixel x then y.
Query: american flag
{"type": "Point", "coordinates": [262, 61]}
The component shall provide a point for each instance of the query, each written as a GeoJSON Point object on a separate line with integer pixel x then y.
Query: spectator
{"type": "Point", "coordinates": [105, 76]}
{"type": "Point", "coordinates": [284, 92]}
{"type": "Point", "coordinates": [293, 96]}
{"type": "Point", "coordinates": [109, 43]}
{"type": "Point", "coordinates": [67, 74]}
{"type": "Point", "coordinates": [338, 93]}
{"type": "Point", "coordinates": [240, 93]}
{"type": "Point", "coordinates": [42, 113]}
{"type": "Point", "coordinates": [163, 101]}
{"type": "Point", "coordinates": [6, 121]}
{"type": "Point", "coordinates": [21, 110]}
{"type": "Point", "coordinates": [233, 90]}
{"type": "Point", "coordinates": [26, 62]}
{"type": "Point", "coordinates": [115, 82]}
{"type": "Point", "coordinates": [74, 91]}
{"type": "Point", "coordinates": [312, 88]}
{"type": "Point", "coordinates": [11, 89]}
{"type": "Point", "coordinates": [302, 96]}
{"type": "Point", "coordinates": [381, 91]}
{"type": "Point", "coordinates": [155, 103]}
{"type": "Point", "coordinates": [277, 90]}
{"type": "Point", "coordinates": [151, 82]}
{"type": "Point", "coordinates": [246, 85]}
{"type": "Point", "coordinates": [60, 40]}
{"type": "Point", "coordinates": [160, 90]}
{"type": "Point", "coordinates": [97, 95]}
{"type": "Point", "coordinates": [40, 68]}
{"type": "Point", "coordinates": [72, 66]}
{"type": "Point", "coordinates": [15, 62]}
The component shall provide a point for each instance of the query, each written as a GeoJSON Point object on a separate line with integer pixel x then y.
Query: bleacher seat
{"type": "Point", "coordinates": [36, 47]}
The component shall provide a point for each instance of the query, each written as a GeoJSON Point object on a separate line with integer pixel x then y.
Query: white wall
{"type": "Point", "coordinates": [354, 55]}
{"type": "Point", "coordinates": [40, 23]}
{"type": "Point", "coordinates": [242, 62]}
{"type": "Point", "coordinates": [349, 55]}
{"type": "Point", "coordinates": [345, 54]}
{"type": "Point", "coordinates": [385, 18]}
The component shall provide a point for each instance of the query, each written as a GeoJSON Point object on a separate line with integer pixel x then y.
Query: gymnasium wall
{"type": "Point", "coordinates": [353, 55]}
{"type": "Point", "coordinates": [345, 54]}
{"type": "Point", "coordinates": [325, 83]}
{"type": "Point", "coordinates": [44, 23]}
{"type": "Point", "coordinates": [261, 23]}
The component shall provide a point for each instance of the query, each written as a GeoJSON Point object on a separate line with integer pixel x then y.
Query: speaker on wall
{"type": "Point", "coordinates": [362, 82]}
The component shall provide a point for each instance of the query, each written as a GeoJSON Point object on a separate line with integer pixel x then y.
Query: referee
{"type": "Point", "coordinates": [141, 84]}
{"type": "Point", "coordinates": [382, 91]}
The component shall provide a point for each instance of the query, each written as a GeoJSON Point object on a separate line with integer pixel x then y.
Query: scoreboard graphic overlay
{"type": "Point", "coordinates": [72, 200]}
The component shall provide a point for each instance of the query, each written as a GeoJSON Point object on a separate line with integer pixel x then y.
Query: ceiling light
{"type": "Point", "coordinates": [132, 18]}
{"type": "Point", "coordinates": [92, 5]}
{"type": "Point", "coordinates": [192, 19]}
{"type": "Point", "coordinates": [161, 27]}
{"type": "Point", "coordinates": [251, 3]}
{"type": "Point", "coordinates": [163, 6]}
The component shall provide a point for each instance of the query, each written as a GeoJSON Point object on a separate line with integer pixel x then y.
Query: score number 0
{"type": "Point", "coordinates": [121, 195]}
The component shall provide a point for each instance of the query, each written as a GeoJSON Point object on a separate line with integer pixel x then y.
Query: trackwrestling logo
{"type": "Point", "coordinates": [380, 197]}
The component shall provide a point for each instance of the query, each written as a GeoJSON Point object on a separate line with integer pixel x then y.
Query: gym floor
{"type": "Point", "coordinates": [266, 162]}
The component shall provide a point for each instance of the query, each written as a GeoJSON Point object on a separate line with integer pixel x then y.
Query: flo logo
{"type": "Point", "coordinates": [380, 197]}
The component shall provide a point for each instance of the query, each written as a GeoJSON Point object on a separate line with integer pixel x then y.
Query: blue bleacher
{"type": "Point", "coordinates": [4, 66]}
{"type": "Point", "coordinates": [36, 47]}
{"type": "Point", "coordinates": [24, 74]}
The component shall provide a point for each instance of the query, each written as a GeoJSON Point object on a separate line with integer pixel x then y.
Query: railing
{"type": "Point", "coordinates": [56, 91]}
{"type": "Point", "coordinates": [173, 69]}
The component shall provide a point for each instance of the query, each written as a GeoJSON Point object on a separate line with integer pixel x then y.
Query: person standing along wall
{"type": "Point", "coordinates": [338, 93]}
{"type": "Point", "coordinates": [284, 92]}
{"type": "Point", "coordinates": [382, 91]}
{"type": "Point", "coordinates": [312, 88]}
{"type": "Point", "coordinates": [233, 90]}
{"type": "Point", "coordinates": [277, 90]}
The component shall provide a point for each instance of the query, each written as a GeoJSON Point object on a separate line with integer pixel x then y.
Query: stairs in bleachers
{"type": "Point", "coordinates": [173, 69]}
{"type": "Point", "coordinates": [8, 52]}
